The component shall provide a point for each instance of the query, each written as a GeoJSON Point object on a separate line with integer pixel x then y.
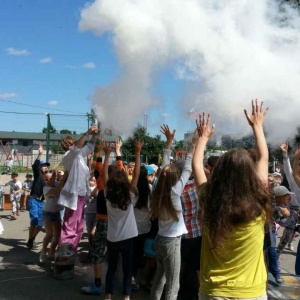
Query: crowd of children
{"type": "Point", "coordinates": [222, 216]}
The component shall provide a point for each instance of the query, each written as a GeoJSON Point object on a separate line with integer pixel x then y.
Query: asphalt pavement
{"type": "Point", "coordinates": [21, 277]}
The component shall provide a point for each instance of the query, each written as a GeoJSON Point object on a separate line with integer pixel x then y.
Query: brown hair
{"type": "Point", "coordinates": [162, 206]}
{"type": "Point", "coordinates": [67, 142]}
{"type": "Point", "coordinates": [234, 195]}
{"type": "Point", "coordinates": [118, 190]}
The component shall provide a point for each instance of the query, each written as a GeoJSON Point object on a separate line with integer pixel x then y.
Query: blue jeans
{"type": "Point", "coordinates": [168, 262]}
{"type": "Point", "coordinates": [124, 247]}
{"type": "Point", "coordinates": [297, 264]}
{"type": "Point", "coordinates": [272, 262]}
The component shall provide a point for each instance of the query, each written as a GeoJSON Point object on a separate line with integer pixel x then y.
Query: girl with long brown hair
{"type": "Point", "coordinates": [166, 207]}
{"type": "Point", "coordinates": [235, 204]}
{"type": "Point", "coordinates": [120, 195]}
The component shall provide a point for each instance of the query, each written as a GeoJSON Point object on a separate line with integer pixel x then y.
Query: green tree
{"type": "Point", "coordinates": [65, 131]}
{"type": "Point", "coordinates": [152, 148]}
{"type": "Point", "coordinates": [297, 137]}
{"type": "Point", "coordinates": [180, 145]}
{"type": "Point", "coordinates": [52, 129]}
{"type": "Point", "coordinates": [56, 149]}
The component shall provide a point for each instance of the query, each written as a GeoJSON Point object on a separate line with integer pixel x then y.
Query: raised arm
{"type": "Point", "coordinates": [137, 168]}
{"type": "Point", "coordinates": [296, 167]}
{"type": "Point", "coordinates": [119, 160]}
{"type": "Point", "coordinates": [205, 131]}
{"type": "Point", "coordinates": [79, 143]}
{"type": "Point", "coordinates": [256, 120]}
{"type": "Point", "coordinates": [107, 150]}
{"type": "Point", "coordinates": [286, 163]}
{"type": "Point", "coordinates": [56, 190]}
{"type": "Point", "coordinates": [165, 130]}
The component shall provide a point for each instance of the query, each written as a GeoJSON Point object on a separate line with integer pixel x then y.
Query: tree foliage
{"type": "Point", "coordinates": [153, 146]}
{"type": "Point", "coordinates": [52, 129]}
{"type": "Point", "coordinates": [65, 131]}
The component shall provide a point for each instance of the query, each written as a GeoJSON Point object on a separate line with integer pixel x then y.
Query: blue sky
{"type": "Point", "coordinates": [47, 65]}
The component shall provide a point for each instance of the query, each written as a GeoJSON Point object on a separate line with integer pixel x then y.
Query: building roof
{"type": "Point", "coordinates": [14, 135]}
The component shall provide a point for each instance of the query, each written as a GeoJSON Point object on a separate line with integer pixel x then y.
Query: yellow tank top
{"type": "Point", "coordinates": [238, 270]}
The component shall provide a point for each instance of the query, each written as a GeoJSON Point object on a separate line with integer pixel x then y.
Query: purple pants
{"type": "Point", "coordinates": [73, 224]}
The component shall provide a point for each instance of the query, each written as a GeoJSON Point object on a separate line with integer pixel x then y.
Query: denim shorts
{"type": "Point", "coordinates": [52, 216]}
{"type": "Point", "coordinates": [36, 212]}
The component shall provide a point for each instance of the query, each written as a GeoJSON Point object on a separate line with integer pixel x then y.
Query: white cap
{"type": "Point", "coordinates": [155, 167]}
{"type": "Point", "coordinates": [281, 190]}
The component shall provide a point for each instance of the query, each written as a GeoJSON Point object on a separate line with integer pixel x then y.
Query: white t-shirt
{"type": "Point", "coordinates": [78, 181]}
{"type": "Point", "coordinates": [171, 228]}
{"type": "Point", "coordinates": [142, 217]}
{"type": "Point", "coordinates": [91, 206]}
{"type": "Point", "coordinates": [15, 186]}
{"type": "Point", "coordinates": [121, 223]}
{"type": "Point", "coordinates": [27, 184]}
{"type": "Point", "coordinates": [51, 201]}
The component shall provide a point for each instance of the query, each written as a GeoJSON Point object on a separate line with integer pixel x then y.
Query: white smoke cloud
{"type": "Point", "coordinates": [229, 52]}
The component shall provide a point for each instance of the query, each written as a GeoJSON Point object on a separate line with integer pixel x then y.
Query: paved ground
{"type": "Point", "coordinates": [22, 278]}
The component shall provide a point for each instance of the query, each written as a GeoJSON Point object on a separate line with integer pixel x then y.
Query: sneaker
{"type": "Point", "coordinates": [29, 244]}
{"type": "Point", "coordinates": [134, 285]}
{"type": "Point", "coordinates": [92, 289]}
{"type": "Point", "coordinates": [35, 246]}
{"type": "Point", "coordinates": [279, 280]}
{"type": "Point", "coordinates": [291, 247]}
{"type": "Point", "coordinates": [43, 257]}
{"type": "Point", "coordinates": [13, 217]}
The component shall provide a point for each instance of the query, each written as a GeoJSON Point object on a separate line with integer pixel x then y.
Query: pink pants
{"type": "Point", "coordinates": [73, 224]}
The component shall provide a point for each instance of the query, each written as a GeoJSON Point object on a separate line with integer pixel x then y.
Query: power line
{"type": "Point", "coordinates": [47, 108]}
{"type": "Point", "coordinates": [22, 113]}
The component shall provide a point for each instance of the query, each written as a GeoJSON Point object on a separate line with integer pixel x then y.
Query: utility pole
{"type": "Point", "coordinates": [48, 136]}
{"type": "Point", "coordinates": [145, 121]}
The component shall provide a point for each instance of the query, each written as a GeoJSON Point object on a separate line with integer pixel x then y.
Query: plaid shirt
{"type": "Point", "coordinates": [190, 208]}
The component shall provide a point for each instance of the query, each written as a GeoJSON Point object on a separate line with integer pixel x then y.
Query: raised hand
{"type": "Point", "coordinates": [258, 115]}
{"type": "Point", "coordinates": [297, 152]}
{"type": "Point", "coordinates": [167, 132]}
{"type": "Point", "coordinates": [203, 126]}
{"type": "Point", "coordinates": [118, 146]}
{"type": "Point", "coordinates": [138, 146]}
{"type": "Point", "coordinates": [284, 148]}
{"type": "Point", "coordinates": [41, 149]}
{"type": "Point", "coordinates": [93, 128]}
{"type": "Point", "coordinates": [195, 137]}
{"type": "Point", "coordinates": [106, 148]}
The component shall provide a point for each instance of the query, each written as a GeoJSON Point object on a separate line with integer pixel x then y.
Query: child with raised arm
{"type": "Point", "coordinates": [166, 206]}
{"type": "Point", "coordinates": [76, 189]}
{"type": "Point", "coordinates": [99, 231]}
{"type": "Point", "coordinates": [120, 196]}
{"type": "Point", "coordinates": [51, 214]}
{"type": "Point", "coordinates": [235, 204]}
